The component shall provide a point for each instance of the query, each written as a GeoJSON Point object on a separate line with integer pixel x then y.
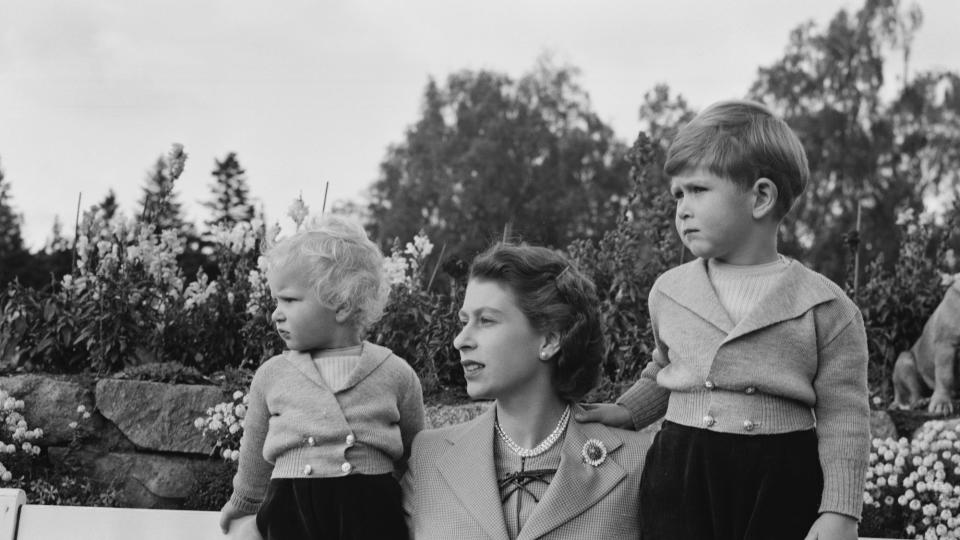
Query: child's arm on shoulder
{"type": "Point", "coordinates": [842, 408]}
{"type": "Point", "coordinates": [631, 411]}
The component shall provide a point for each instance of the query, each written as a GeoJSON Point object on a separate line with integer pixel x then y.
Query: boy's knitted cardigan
{"type": "Point", "coordinates": [295, 427]}
{"type": "Point", "coordinates": [797, 361]}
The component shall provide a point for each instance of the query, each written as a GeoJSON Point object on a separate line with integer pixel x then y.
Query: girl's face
{"type": "Point", "coordinates": [303, 322]}
{"type": "Point", "coordinates": [499, 349]}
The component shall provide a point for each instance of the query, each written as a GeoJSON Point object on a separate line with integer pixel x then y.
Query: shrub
{"type": "Point", "coordinates": [897, 300]}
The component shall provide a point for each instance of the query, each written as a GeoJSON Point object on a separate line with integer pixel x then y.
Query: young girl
{"type": "Point", "coordinates": [330, 421]}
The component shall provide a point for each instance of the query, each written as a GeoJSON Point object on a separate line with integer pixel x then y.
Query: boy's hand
{"type": "Point", "coordinates": [228, 513]}
{"type": "Point", "coordinates": [608, 414]}
{"type": "Point", "coordinates": [833, 526]}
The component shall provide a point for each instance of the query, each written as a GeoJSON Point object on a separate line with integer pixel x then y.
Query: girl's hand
{"type": "Point", "coordinates": [608, 414]}
{"type": "Point", "coordinates": [833, 526]}
{"type": "Point", "coordinates": [228, 513]}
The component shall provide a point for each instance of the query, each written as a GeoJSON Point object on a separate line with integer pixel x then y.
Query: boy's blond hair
{"type": "Point", "coordinates": [742, 141]}
{"type": "Point", "coordinates": [343, 266]}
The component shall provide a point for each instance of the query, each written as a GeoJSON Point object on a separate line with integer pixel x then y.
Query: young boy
{"type": "Point", "coordinates": [330, 421]}
{"type": "Point", "coordinates": [761, 363]}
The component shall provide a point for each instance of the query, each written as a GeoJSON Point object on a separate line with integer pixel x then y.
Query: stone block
{"type": "Point", "coordinates": [158, 416]}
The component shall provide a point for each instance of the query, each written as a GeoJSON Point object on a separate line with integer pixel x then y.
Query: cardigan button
{"type": "Point", "coordinates": [709, 385]}
{"type": "Point", "coordinates": [750, 390]}
{"type": "Point", "coordinates": [749, 425]}
{"type": "Point", "coordinates": [307, 470]}
{"type": "Point", "coordinates": [709, 420]}
{"type": "Point", "coordinates": [350, 440]}
{"type": "Point", "coordinates": [346, 467]}
{"type": "Point", "coordinates": [311, 441]}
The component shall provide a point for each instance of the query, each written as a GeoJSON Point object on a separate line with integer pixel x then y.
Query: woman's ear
{"type": "Point", "coordinates": [765, 194]}
{"type": "Point", "coordinates": [550, 346]}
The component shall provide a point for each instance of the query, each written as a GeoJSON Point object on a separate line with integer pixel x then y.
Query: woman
{"type": "Point", "coordinates": [530, 341]}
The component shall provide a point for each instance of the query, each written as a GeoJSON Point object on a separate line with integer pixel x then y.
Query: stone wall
{"type": "Point", "coordinates": [140, 437]}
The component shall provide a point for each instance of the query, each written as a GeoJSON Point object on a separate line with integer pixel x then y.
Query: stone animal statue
{"type": "Point", "coordinates": [930, 367]}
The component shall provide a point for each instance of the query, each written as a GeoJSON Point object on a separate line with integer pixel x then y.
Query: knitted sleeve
{"type": "Point", "coordinates": [253, 471]}
{"type": "Point", "coordinates": [843, 410]}
{"type": "Point", "coordinates": [646, 400]}
{"type": "Point", "coordinates": [412, 416]}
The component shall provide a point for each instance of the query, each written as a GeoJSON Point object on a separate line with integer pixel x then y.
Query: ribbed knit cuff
{"type": "Point", "coordinates": [247, 506]}
{"type": "Point", "coordinates": [647, 403]}
{"type": "Point", "coordinates": [843, 481]}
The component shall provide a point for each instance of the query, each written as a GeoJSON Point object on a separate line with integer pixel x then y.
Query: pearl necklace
{"type": "Point", "coordinates": [543, 446]}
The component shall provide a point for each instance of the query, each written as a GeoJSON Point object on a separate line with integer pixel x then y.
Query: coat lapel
{"type": "Point", "coordinates": [690, 287]}
{"type": "Point", "coordinates": [577, 485]}
{"type": "Point", "coordinates": [371, 356]}
{"type": "Point", "coordinates": [468, 468]}
{"type": "Point", "coordinates": [304, 364]}
{"type": "Point", "coordinates": [795, 293]}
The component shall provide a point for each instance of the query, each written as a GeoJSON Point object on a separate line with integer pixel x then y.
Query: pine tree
{"type": "Point", "coordinates": [11, 241]}
{"type": "Point", "coordinates": [108, 205]}
{"type": "Point", "coordinates": [231, 195]}
{"type": "Point", "coordinates": [159, 205]}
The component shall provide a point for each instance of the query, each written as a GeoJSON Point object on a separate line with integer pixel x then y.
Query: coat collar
{"type": "Point", "coordinates": [794, 294]}
{"type": "Point", "coordinates": [371, 356]}
{"type": "Point", "coordinates": [468, 468]}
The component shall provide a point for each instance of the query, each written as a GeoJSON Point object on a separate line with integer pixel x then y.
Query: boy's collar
{"type": "Point", "coordinates": [797, 290]}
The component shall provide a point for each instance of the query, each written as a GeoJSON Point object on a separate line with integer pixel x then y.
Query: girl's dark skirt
{"type": "Point", "coordinates": [354, 507]}
{"type": "Point", "coordinates": [705, 485]}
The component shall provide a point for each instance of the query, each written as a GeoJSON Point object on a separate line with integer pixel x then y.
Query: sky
{"type": "Point", "coordinates": [309, 92]}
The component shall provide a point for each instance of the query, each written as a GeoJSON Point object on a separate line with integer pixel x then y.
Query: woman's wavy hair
{"type": "Point", "coordinates": [342, 265]}
{"type": "Point", "coordinates": [555, 297]}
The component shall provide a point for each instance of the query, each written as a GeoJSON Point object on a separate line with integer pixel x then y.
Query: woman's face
{"type": "Point", "coordinates": [499, 349]}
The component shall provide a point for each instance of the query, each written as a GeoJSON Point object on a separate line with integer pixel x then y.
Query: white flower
{"type": "Point", "coordinates": [238, 395]}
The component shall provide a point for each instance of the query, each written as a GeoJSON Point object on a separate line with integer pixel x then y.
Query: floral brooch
{"type": "Point", "coordinates": [594, 452]}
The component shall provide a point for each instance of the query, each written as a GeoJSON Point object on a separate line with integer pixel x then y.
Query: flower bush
{"type": "Point", "coordinates": [223, 423]}
{"type": "Point", "coordinates": [913, 487]}
{"type": "Point", "coordinates": [18, 442]}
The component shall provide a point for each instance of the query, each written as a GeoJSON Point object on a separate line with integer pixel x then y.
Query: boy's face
{"type": "Point", "coordinates": [714, 217]}
{"type": "Point", "coordinates": [302, 321]}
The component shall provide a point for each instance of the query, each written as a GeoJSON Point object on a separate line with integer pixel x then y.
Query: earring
{"type": "Point", "coordinates": [543, 355]}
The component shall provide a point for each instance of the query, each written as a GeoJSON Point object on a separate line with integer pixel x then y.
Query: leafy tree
{"type": "Point", "coordinates": [231, 195]}
{"type": "Point", "coordinates": [862, 149]}
{"type": "Point", "coordinates": [489, 152]}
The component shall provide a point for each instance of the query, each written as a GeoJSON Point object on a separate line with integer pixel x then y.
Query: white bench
{"type": "Point", "coordinates": [21, 521]}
